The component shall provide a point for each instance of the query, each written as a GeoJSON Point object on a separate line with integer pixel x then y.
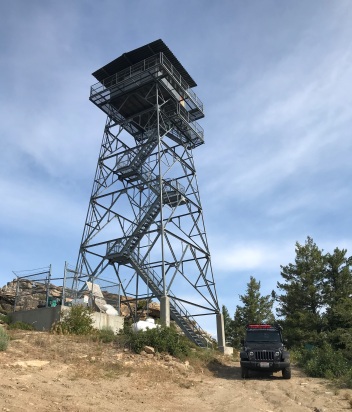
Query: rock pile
{"type": "Point", "coordinates": [6, 302]}
{"type": "Point", "coordinates": [31, 294]}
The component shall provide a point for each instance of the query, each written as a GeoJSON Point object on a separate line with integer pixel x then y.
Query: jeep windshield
{"type": "Point", "coordinates": [263, 336]}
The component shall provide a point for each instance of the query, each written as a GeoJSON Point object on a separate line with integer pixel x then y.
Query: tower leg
{"type": "Point", "coordinates": [220, 331]}
{"type": "Point", "coordinates": [165, 311]}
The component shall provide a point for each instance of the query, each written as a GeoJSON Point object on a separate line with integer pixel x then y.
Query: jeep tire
{"type": "Point", "coordinates": [286, 373]}
{"type": "Point", "coordinates": [244, 372]}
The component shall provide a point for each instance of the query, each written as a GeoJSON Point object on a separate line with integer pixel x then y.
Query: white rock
{"type": "Point", "coordinates": [149, 349]}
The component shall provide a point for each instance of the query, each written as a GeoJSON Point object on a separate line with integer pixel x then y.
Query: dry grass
{"type": "Point", "coordinates": [348, 398]}
{"type": "Point", "coordinates": [90, 359]}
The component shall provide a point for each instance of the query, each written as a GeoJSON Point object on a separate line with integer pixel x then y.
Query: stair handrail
{"type": "Point", "coordinates": [137, 70]}
{"type": "Point", "coordinates": [183, 312]}
{"type": "Point", "coordinates": [150, 203]}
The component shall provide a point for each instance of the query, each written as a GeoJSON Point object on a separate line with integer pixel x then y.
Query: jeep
{"type": "Point", "coordinates": [264, 350]}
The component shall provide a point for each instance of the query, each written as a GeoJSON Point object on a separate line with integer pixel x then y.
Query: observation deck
{"type": "Point", "coordinates": [122, 94]}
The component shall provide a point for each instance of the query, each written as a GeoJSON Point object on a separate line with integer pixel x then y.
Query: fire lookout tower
{"type": "Point", "coordinates": [144, 223]}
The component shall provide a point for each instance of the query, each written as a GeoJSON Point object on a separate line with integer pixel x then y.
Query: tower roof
{"type": "Point", "coordinates": [142, 53]}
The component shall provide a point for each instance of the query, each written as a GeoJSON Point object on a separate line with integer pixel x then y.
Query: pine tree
{"type": "Point", "coordinates": [228, 325]}
{"type": "Point", "coordinates": [302, 301]}
{"type": "Point", "coordinates": [256, 309]}
{"type": "Point", "coordinates": [337, 277]}
{"type": "Point", "coordinates": [337, 293]}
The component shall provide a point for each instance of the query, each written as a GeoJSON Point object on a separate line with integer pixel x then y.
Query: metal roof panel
{"type": "Point", "coordinates": [134, 56]}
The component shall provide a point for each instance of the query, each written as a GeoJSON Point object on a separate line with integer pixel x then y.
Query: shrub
{"type": "Point", "coordinates": [4, 339]}
{"type": "Point", "coordinates": [142, 304]}
{"type": "Point", "coordinates": [345, 381]}
{"type": "Point", "coordinates": [77, 321]}
{"type": "Point", "coordinates": [324, 362]}
{"type": "Point", "coordinates": [20, 325]}
{"type": "Point", "coordinates": [106, 335]}
{"type": "Point", "coordinates": [162, 339]}
{"type": "Point", "coordinates": [5, 318]}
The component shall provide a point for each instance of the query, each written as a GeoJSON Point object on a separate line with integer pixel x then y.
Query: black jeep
{"type": "Point", "coordinates": [264, 350]}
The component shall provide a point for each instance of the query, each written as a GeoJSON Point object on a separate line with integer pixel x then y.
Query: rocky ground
{"type": "Point", "coordinates": [43, 372]}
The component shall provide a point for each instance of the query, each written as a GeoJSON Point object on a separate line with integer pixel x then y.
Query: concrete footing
{"type": "Point", "coordinates": [226, 350]}
{"type": "Point", "coordinates": [165, 311]}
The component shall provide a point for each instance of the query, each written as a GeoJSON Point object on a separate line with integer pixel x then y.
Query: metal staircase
{"type": "Point", "coordinates": [130, 164]}
{"type": "Point", "coordinates": [123, 250]}
{"type": "Point", "coordinates": [120, 249]}
{"type": "Point", "coordinates": [178, 312]}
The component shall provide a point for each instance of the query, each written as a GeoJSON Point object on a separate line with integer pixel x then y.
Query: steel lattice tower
{"type": "Point", "coordinates": [144, 223]}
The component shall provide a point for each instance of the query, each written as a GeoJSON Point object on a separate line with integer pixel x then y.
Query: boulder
{"type": "Point", "coordinates": [149, 350]}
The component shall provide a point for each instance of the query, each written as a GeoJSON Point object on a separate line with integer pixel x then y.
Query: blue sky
{"type": "Point", "coordinates": [276, 81]}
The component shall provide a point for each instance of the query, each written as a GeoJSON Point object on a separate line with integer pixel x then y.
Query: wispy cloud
{"type": "Point", "coordinates": [291, 123]}
{"type": "Point", "coordinates": [33, 208]}
{"type": "Point", "coordinates": [275, 81]}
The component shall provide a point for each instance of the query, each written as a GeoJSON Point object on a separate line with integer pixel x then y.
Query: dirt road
{"type": "Point", "coordinates": [41, 372]}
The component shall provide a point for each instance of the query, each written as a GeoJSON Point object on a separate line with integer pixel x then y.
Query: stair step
{"type": "Point", "coordinates": [155, 285]}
